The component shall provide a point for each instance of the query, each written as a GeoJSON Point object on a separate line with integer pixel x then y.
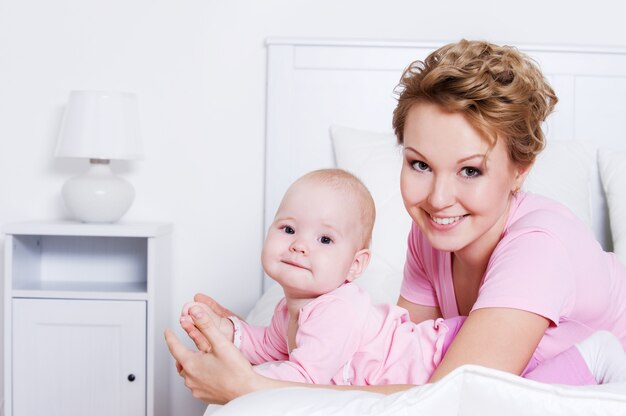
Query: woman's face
{"type": "Point", "coordinates": [455, 188]}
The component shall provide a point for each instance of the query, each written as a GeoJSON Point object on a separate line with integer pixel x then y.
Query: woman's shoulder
{"type": "Point", "coordinates": [534, 212]}
{"type": "Point", "coordinates": [541, 225]}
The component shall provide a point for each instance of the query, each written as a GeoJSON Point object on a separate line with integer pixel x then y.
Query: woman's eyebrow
{"type": "Point", "coordinates": [462, 160]}
{"type": "Point", "coordinates": [477, 155]}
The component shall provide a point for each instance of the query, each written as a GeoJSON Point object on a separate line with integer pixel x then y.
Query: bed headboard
{"type": "Point", "coordinates": [314, 84]}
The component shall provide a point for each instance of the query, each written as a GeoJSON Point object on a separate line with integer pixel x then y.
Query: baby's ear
{"type": "Point", "coordinates": [359, 264]}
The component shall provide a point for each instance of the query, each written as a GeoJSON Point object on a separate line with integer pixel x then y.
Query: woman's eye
{"type": "Point", "coordinates": [326, 240]}
{"type": "Point", "coordinates": [420, 166]}
{"type": "Point", "coordinates": [469, 172]}
{"type": "Point", "coordinates": [289, 230]}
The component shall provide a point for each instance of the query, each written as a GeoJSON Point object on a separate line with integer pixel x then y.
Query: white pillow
{"type": "Point", "coordinates": [564, 172]}
{"type": "Point", "coordinates": [613, 175]}
{"type": "Point", "coordinates": [376, 159]}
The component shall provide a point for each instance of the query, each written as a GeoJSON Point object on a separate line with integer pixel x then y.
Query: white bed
{"type": "Point", "coordinates": [329, 103]}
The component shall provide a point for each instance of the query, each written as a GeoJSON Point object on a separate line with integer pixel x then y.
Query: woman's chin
{"type": "Point", "coordinates": [450, 243]}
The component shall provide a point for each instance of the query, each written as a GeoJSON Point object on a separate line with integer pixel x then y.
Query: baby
{"type": "Point", "coordinates": [326, 330]}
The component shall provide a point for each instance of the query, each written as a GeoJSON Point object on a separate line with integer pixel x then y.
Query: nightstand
{"type": "Point", "coordinates": [85, 306]}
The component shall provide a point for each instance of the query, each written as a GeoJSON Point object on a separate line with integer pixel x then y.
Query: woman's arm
{"type": "Point", "coordinates": [419, 313]}
{"type": "Point", "coordinates": [500, 338]}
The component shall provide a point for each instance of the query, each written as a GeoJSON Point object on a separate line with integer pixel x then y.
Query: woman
{"type": "Point", "coordinates": [528, 275]}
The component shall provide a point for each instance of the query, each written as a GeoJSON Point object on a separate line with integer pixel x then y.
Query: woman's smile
{"type": "Point", "coordinates": [446, 222]}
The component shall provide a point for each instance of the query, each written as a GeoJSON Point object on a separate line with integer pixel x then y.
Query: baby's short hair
{"type": "Point", "coordinates": [354, 188]}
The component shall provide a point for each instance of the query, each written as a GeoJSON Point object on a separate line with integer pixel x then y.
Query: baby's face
{"type": "Point", "coordinates": [311, 245]}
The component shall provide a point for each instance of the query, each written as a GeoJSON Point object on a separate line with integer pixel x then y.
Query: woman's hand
{"type": "Point", "coordinates": [218, 372]}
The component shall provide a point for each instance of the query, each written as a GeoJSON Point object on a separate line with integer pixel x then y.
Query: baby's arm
{"type": "Point", "coordinates": [259, 344]}
{"type": "Point", "coordinates": [325, 344]}
{"type": "Point", "coordinates": [262, 344]}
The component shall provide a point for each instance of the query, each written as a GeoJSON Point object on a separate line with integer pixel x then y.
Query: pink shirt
{"type": "Point", "coordinates": [548, 262]}
{"type": "Point", "coordinates": [343, 339]}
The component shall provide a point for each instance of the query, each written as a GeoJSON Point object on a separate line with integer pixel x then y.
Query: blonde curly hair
{"type": "Point", "coordinates": [501, 91]}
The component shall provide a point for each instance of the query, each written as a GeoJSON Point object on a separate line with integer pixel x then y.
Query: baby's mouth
{"type": "Point", "coordinates": [294, 264]}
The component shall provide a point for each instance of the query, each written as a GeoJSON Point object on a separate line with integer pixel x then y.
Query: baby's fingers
{"type": "Point", "coordinates": [196, 336]}
{"type": "Point", "coordinates": [211, 303]}
{"type": "Point", "coordinates": [208, 328]}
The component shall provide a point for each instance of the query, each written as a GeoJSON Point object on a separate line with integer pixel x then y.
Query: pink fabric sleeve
{"type": "Point", "coordinates": [260, 344]}
{"type": "Point", "coordinates": [568, 367]}
{"type": "Point", "coordinates": [416, 286]}
{"type": "Point", "coordinates": [328, 336]}
{"type": "Point", "coordinates": [529, 271]}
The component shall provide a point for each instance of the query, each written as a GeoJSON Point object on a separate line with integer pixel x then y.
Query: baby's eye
{"type": "Point", "coordinates": [470, 172]}
{"type": "Point", "coordinates": [289, 230]}
{"type": "Point", "coordinates": [326, 240]}
{"type": "Point", "coordinates": [420, 166]}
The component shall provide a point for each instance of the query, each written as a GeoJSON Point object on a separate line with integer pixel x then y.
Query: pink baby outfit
{"type": "Point", "coordinates": [343, 339]}
{"type": "Point", "coordinates": [548, 262]}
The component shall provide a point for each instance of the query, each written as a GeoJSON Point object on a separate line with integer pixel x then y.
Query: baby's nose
{"type": "Point", "coordinates": [298, 247]}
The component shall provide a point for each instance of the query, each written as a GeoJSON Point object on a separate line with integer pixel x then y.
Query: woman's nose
{"type": "Point", "coordinates": [442, 193]}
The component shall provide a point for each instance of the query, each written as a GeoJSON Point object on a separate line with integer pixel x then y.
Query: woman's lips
{"type": "Point", "coordinates": [447, 222]}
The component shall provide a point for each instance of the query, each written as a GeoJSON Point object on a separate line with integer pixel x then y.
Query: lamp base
{"type": "Point", "coordinates": [98, 196]}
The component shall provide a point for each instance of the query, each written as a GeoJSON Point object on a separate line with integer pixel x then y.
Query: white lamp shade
{"type": "Point", "coordinates": [100, 125]}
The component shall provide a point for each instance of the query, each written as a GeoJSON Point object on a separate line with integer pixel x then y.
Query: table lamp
{"type": "Point", "coordinates": [100, 126]}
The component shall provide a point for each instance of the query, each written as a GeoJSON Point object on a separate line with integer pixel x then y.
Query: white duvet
{"type": "Point", "coordinates": [469, 390]}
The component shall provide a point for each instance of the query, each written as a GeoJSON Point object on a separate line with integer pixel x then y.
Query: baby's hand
{"type": "Point", "coordinates": [197, 309]}
{"type": "Point", "coordinates": [211, 303]}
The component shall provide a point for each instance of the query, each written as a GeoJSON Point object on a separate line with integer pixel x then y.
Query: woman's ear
{"type": "Point", "coordinates": [521, 172]}
{"type": "Point", "coordinates": [359, 264]}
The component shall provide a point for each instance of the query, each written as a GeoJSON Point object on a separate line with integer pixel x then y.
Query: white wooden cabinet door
{"type": "Point", "coordinates": [74, 357]}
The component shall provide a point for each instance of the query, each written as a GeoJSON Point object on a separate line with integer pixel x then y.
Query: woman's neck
{"type": "Point", "coordinates": [469, 266]}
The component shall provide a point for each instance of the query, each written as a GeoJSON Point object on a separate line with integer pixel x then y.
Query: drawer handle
{"type": "Point", "coordinates": [131, 377]}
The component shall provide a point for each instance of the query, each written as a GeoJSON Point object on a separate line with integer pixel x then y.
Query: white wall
{"type": "Point", "coordinates": [198, 67]}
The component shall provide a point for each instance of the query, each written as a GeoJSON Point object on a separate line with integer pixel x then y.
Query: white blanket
{"type": "Point", "coordinates": [469, 390]}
